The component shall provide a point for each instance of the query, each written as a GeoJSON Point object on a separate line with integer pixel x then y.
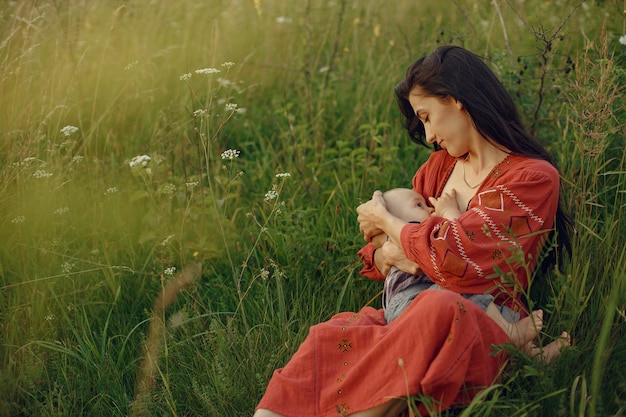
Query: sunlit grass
{"type": "Point", "coordinates": [221, 100]}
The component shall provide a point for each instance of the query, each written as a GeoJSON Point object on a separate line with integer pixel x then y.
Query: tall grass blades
{"type": "Point", "coordinates": [139, 138]}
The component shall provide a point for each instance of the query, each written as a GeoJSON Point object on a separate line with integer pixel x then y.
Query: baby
{"type": "Point", "coordinates": [400, 288]}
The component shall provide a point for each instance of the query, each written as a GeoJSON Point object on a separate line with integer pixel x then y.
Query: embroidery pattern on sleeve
{"type": "Point", "coordinates": [492, 227]}
{"type": "Point", "coordinates": [433, 258]}
{"type": "Point", "coordinates": [520, 204]}
{"type": "Point", "coordinates": [459, 244]}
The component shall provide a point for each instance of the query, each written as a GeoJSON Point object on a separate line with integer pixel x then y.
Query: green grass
{"type": "Point", "coordinates": [89, 243]}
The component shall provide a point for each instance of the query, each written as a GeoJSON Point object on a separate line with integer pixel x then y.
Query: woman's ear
{"type": "Point", "coordinates": [458, 104]}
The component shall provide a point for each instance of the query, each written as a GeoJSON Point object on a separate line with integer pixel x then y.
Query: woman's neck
{"type": "Point", "coordinates": [483, 158]}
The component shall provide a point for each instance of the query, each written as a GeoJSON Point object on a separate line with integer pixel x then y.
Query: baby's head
{"type": "Point", "coordinates": [407, 205]}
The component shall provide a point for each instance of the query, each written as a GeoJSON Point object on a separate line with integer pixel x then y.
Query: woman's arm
{"type": "Point", "coordinates": [378, 261]}
{"type": "Point", "coordinates": [374, 218]}
{"type": "Point", "coordinates": [437, 163]}
{"type": "Point", "coordinates": [376, 222]}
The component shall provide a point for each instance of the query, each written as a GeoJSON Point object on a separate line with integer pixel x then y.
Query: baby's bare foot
{"type": "Point", "coordinates": [526, 330]}
{"type": "Point", "coordinates": [551, 351]}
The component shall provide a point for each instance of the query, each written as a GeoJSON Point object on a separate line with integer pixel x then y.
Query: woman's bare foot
{"type": "Point", "coordinates": [551, 351]}
{"type": "Point", "coordinates": [525, 330]}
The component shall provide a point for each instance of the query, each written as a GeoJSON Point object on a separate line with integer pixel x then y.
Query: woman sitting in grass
{"type": "Point", "coordinates": [440, 349]}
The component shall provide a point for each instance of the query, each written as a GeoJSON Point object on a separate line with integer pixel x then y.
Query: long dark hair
{"type": "Point", "coordinates": [451, 71]}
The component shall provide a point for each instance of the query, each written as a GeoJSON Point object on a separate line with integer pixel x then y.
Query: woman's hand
{"type": "Point", "coordinates": [391, 254]}
{"type": "Point", "coordinates": [379, 240]}
{"type": "Point", "coordinates": [370, 214]}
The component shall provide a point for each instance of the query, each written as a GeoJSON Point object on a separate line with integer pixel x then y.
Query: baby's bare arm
{"type": "Point", "coordinates": [446, 206]}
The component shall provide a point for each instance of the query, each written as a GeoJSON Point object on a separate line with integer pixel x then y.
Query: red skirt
{"type": "Point", "coordinates": [440, 346]}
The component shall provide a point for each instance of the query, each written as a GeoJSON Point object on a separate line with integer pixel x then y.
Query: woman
{"type": "Point", "coordinates": [440, 348]}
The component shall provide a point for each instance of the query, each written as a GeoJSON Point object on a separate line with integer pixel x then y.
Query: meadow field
{"type": "Point", "coordinates": [179, 182]}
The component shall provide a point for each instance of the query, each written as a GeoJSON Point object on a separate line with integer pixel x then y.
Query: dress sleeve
{"type": "Point", "coordinates": [508, 218]}
{"type": "Point", "coordinates": [369, 268]}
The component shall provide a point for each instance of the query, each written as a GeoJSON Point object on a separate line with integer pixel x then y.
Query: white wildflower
{"type": "Point", "coordinates": [168, 189]}
{"type": "Point", "coordinates": [265, 274]}
{"type": "Point", "coordinates": [68, 130]}
{"type": "Point", "coordinates": [282, 20]}
{"type": "Point", "coordinates": [185, 77]}
{"type": "Point", "coordinates": [170, 271]}
{"type": "Point", "coordinates": [270, 195]}
{"type": "Point", "coordinates": [140, 160]}
{"type": "Point", "coordinates": [67, 267]}
{"type": "Point", "coordinates": [42, 173]}
{"type": "Point", "coordinates": [191, 184]}
{"type": "Point", "coordinates": [61, 210]}
{"type": "Point", "coordinates": [228, 64]}
{"type": "Point", "coordinates": [18, 220]}
{"type": "Point", "coordinates": [49, 317]}
{"type": "Point", "coordinates": [224, 82]}
{"type": "Point", "coordinates": [230, 106]}
{"type": "Point", "coordinates": [78, 158]}
{"type": "Point", "coordinates": [622, 39]}
{"type": "Point", "coordinates": [230, 154]}
{"type": "Point", "coordinates": [283, 175]}
{"type": "Point", "coordinates": [131, 65]}
{"type": "Point", "coordinates": [199, 112]}
{"type": "Point", "coordinates": [208, 71]}
{"type": "Point", "coordinates": [241, 110]}
{"type": "Point", "coordinates": [111, 190]}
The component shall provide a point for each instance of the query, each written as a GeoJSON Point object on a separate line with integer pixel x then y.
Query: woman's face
{"type": "Point", "coordinates": [445, 121]}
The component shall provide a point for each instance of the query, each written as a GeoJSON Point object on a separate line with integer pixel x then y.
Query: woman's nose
{"type": "Point", "coordinates": [430, 138]}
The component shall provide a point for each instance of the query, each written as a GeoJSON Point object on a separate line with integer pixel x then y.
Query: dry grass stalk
{"type": "Point", "coordinates": [154, 342]}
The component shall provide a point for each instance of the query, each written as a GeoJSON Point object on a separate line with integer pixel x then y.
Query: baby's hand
{"type": "Point", "coordinates": [446, 205]}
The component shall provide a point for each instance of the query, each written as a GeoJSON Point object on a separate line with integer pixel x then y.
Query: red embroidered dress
{"type": "Point", "coordinates": [440, 346]}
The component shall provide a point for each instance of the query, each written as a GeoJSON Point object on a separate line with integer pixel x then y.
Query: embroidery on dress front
{"type": "Point", "coordinates": [355, 317]}
{"type": "Point", "coordinates": [345, 345]}
{"type": "Point", "coordinates": [342, 409]}
{"type": "Point", "coordinates": [461, 307]}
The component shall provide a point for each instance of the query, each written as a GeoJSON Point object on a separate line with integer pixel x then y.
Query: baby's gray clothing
{"type": "Point", "coordinates": [401, 288]}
